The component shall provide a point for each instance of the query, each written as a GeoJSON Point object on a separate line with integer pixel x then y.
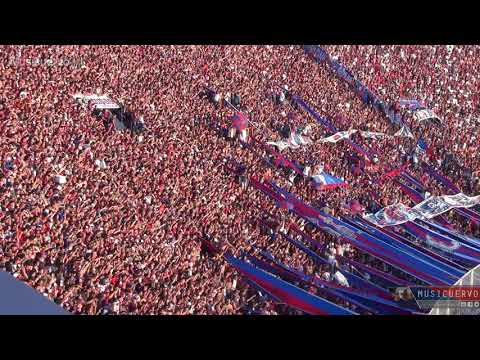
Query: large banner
{"type": "Point", "coordinates": [427, 209]}
{"type": "Point", "coordinates": [361, 90]}
{"type": "Point", "coordinates": [97, 101]}
{"type": "Point", "coordinates": [391, 215]}
{"type": "Point", "coordinates": [408, 263]}
{"type": "Point", "coordinates": [286, 292]}
{"type": "Point", "coordinates": [316, 52]}
{"type": "Point", "coordinates": [346, 134]}
{"type": "Point", "coordinates": [338, 136]}
{"type": "Point", "coordinates": [295, 140]}
{"type": "Point", "coordinates": [425, 114]}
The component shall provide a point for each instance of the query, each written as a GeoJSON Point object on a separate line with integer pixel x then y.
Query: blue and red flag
{"type": "Point", "coordinates": [325, 181]}
{"type": "Point", "coordinates": [318, 259]}
{"type": "Point", "coordinates": [360, 297]}
{"type": "Point", "coordinates": [414, 245]}
{"type": "Point", "coordinates": [286, 292]}
{"type": "Point", "coordinates": [469, 240]}
{"type": "Point", "coordinates": [394, 173]}
{"type": "Point", "coordinates": [363, 241]}
{"type": "Point", "coordinates": [452, 248]}
{"type": "Point", "coordinates": [316, 52]}
{"type": "Point", "coordinates": [469, 214]}
{"type": "Point", "coordinates": [454, 271]}
{"type": "Point", "coordinates": [414, 195]}
{"type": "Point", "coordinates": [325, 122]}
{"type": "Point", "coordinates": [280, 160]}
{"type": "Point", "coordinates": [385, 280]}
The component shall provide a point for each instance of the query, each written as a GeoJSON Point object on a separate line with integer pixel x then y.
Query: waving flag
{"type": "Point", "coordinates": [413, 180]}
{"type": "Point", "coordinates": [316, 52]}
{"type": "Point", "coordinates": [361, 286]}
{"type": "Point", "coordinates": [467, 213]}
{"type": "Point", "coordinates": [324, 181]}
{"type": "Point", "coordinates": [373, 134]}
{"type": "Point", "coordinates": [398, 258]}
{"type": "Point", "coordinates": [417, 198]}
{"type": "Point", "coordinates": [338, 136]}
{"type": "Point", "coordinates": [299, 207]}
{"type": "Point", "coordinates": [394, 173]}
{"type": "Point", "coordinates": [346, 134]}
{"type": "Point", "coordinates": [282, 144]}
{"type": "Point", "coordinates": [414, 195]}
{"type": "Point", "coordinates": [329, 125]}
{"type": "Point", "coordinates": [425, 114]}
{"type": "Point", "coordinates": [316, 243]}
{"type": "Point", "coordinates": [425, 208]}
{"type": "Point", "coordinates": [286, 292]}
{"type": "Point", "coordinates": [356, 281]}
{"type": "Point", "coordinates": [318, 259]}
{"type": "Point", "coordinates": [366, 95]}
{"type": "Point", "coordinates": [436, 205]}
{"type": "Point", "coordinates": [385, 280]}
{"type": "Point", "coordinates": [281, 160]}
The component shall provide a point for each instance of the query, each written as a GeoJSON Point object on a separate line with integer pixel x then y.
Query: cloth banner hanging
{"type": "Point", "coordinates": [427, 209]}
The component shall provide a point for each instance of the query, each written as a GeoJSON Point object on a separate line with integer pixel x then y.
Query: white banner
{"type": "Point", "coordinates": [98, 101]}
{"type": "Point", "coordinates": [370, 134]}
{"type": "Point", "coordinates": [295, 141]}
{"type": "Point", "coordinates": [425, 114]}
{"type": "Point", "coordinates": [366, 134]}
{"type": "Point", "coordinates": [339, 136]}
{"type": "Point", "coordinates": [427, 209]}
{"type": "Point", "coordinates": [391, 215]}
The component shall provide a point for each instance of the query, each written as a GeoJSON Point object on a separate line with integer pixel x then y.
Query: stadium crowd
{"type": "Point", "coordinates": [125, 237]}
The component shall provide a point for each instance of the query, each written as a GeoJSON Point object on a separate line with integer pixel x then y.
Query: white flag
{"type": "Point", "coordinates": [339, 136]}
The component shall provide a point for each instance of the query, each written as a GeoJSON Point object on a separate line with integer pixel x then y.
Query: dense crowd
{"type": "Point", "coordinates": [126, 237]}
